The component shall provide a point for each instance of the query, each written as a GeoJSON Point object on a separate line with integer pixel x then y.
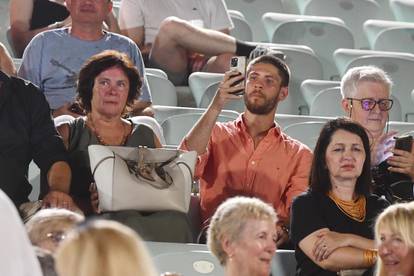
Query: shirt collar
{"type": "Point", "coordinates": [241, 125]}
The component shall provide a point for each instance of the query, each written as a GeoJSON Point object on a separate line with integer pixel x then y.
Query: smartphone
{"type": "Point", "coordinates": [238, 63]}
{"type": "Point", "coordinates": [404, 142]}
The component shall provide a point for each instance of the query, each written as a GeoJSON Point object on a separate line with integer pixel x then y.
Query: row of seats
{"type": "Point", "coordinates": [196, 259]}
{"type": "Point", "coordinates": [176, 122]}
{"type": "Point", "coordinates": [353, 12]}
{"type": "Point", "coordinates": [306, 89]}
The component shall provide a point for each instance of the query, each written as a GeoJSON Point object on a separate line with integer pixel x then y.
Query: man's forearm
{"type": "Point", "coordinates": [198, 137]}
{"type": "Point", "coordinates": [59, 177]}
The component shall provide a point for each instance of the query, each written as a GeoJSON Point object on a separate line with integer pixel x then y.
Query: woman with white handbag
{"type": "Point", "coordinates": [108, 84]}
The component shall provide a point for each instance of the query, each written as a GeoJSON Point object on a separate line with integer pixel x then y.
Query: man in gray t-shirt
{"type": "Point", "coordinates": [53, 58]}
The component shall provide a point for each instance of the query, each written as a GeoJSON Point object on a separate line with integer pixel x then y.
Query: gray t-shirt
{"type": "Point", "coordinates": [52, 61]}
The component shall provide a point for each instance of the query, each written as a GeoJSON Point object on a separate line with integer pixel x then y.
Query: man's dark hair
{"type": "Point", "coordinates": [101, 62]}
{"type": "Point", "coordinates": [282, 67]}
{"type": "Point", "coordinates": [319, 180]}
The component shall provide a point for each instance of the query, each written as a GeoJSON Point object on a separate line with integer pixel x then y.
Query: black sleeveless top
{"type": "Point", "coordinates": [46, 12]}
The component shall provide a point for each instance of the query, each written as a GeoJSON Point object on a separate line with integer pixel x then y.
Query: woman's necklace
{"type": "Point", "coordinates": [355, 209]}
{"type": "Point", "coordinates": [125, 134]}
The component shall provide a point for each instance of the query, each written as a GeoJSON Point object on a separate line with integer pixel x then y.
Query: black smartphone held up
{"type": "Point", "coordinates": [404, 142]}
{"type": "Point", "coordinates": [238, 63]}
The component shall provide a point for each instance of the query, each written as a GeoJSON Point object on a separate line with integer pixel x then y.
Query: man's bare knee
{"type": "Point", "coordinates": [172, 27]}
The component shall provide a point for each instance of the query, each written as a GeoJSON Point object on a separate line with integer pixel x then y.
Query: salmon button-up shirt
{"type": "Point", "coordinates": [276, 171]}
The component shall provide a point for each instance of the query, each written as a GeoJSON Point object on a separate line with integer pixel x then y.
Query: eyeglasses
{"type": "Point", "coordinates": [368, 104]}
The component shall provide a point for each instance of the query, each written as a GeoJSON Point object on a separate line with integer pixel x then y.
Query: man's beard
{"type": "Point", "coordinates": [261, 109]}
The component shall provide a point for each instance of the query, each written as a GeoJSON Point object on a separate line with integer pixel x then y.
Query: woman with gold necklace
{"type": "Point", "coordinates": [108, 83]}
{"type": "Point", "coordinates": [332, 224]}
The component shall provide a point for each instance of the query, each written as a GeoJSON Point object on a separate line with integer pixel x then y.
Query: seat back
{"type": "Point", "coordinates": [403, 10]}
{"type": "Point", "coordinates": [327, 103]}
{"type": "Point", "coordinates": [386, 40]}
{"type": "Point", "coordinates": [353, 12]}
{"type": "Point", "coordinates": [242, 29]}
{"type": "Point", "coordinates": [177, 126]}
{"type": "Point", "coordinates": [306, 132]}
{"type": "Point", "coordinates": [312, 31]}
{"type": "Point", "coordinates": [253, 10]}
{"type": "Point", "coordinates": [163, 112]}
{"type": "Point", "coordinates": [162, 90]}
{"type": "Point", "coordinates": [199, 81]}
{"type": "Point", "coordinates": [373, 28]}
{"type": "Point", "coordinates": [151, 123]}
{"type": "Point", "coordinates": [285, 120]}
{"type": "Point", "coordinates": [156, 72]}
{"type": "Point", "coordinates": [310, 88]}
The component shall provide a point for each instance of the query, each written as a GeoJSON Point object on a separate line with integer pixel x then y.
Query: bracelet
{"type": "Point", "coordinates": [370, 257]}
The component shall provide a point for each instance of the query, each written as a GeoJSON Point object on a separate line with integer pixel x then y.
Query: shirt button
{"type": "Point", "coordinates": [253, 162]}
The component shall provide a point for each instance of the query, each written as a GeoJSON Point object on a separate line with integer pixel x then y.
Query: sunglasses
{"type": "Point", "coordinates": [368, 104]}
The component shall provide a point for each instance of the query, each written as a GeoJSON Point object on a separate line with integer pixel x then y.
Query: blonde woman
{"type": "Point", "coordinates": [103, 248]}
{"type": "Point", "coordinates": [242, 235]}
{"type": "Point", "coordinates": [394, 233]}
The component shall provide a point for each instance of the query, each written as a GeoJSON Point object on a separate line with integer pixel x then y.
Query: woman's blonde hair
{"type": "Point", "coordinates": [103, 248]}
{"type": "Point", "coordinates": [230, 218]}
{"type": "Point", "coordinates": [399, 219]}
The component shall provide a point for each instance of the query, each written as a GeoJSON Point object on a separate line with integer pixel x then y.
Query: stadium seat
{"type": "Point", "coordinates": [253, 10]}
{"type": "Point", "coordinates": [306, 132]}
{"type": "Point", "coordinates": [285, 120]}
{"type": "Point", "coordinates": [242, 29]}
{"type": "Point", "coordinates": [310, 88]}
{"type": "Point", "coordinates": [353, 12]}
{"type": "Point", "coordinates": [312, 31]}
{"type": "Point", "coordinates": [327, 103]}
{"type": "Point", "coordinates": [156, 72]}
{"type": "Point", "coordinates": [162, 90]}
{"type": "Point", "coordinates": [403, 10]}
{"type": "Point", "coordinates": [162, 112]}
{"type": "Point", "coordinates": [199, 81]}
{"type": "Point", "coordinates": [177, 126]}
{"type": "Point", "coordinates": [401, 127]}
{"type": "Point", "coordinates": [382, 35]}
{"type": "Point", "coordinates": [152, 123]}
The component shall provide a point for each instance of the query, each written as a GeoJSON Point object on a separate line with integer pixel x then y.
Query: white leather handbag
{"type": "Point", "coordinates": [142, 179]}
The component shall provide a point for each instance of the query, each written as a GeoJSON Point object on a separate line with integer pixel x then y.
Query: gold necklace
{"type": "Point", "coordinates": [125, 133]}
{"type": "Point", "coordinates": [355, 209]}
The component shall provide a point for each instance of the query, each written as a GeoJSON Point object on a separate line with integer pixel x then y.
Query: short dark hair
{"type": "Point", "coordinates": [101, 62]}
{"type": "Point", "coordinates": [276, 62]}
{"type": "Point", "coordinates": [319, 180]}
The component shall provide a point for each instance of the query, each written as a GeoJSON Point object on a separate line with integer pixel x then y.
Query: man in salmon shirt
{"type": "Point", "coordinates": [250, 156]}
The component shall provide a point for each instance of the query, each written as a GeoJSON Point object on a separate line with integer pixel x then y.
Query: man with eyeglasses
{"type": "Point", "coordinates": [366, 99]}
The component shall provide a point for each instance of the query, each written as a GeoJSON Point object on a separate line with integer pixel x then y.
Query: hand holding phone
{"type": "Point", "coordinates": [404, 143]}
{"type": "Point", "coordinates": [238, 63]}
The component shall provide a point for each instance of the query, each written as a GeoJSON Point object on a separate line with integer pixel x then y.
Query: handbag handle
{"type": "Point", "coordinates": [100, 162]}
